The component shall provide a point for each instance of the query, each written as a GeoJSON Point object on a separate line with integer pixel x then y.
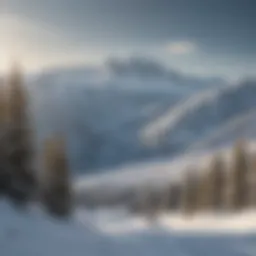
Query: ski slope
{"type": "Point", "coordinates": [32, 233]}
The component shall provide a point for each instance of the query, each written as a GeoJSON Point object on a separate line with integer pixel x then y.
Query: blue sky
{"type": "Point", "coordinates": [205, 37]}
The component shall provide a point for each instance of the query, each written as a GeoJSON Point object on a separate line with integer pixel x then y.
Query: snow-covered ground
{"type": "Point", "coordinates": [32, 233]}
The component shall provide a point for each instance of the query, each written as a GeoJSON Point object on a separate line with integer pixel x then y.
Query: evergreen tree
{"type": "Point", "coordinates": [215, 185]}
{"type": "Point", "coordinates": [203, 201]}
{"type": "Point", "coordinates": [173, 196]}
{"type": "Point", "coordinates": [3, 108]}
{"type": "Point", "coordinates": [252, 181]}
{"type": "Point", "coordinates": [56, 187]}
{"type": "Point", "coordinates": [150, 203]}
{"type": "Point", "coordinates": [238, 196]}
{"type": "Point", "coordinates": [4, 174]}
{"type": "Point", "coordinates": [189, 200]}
{"type": "Point", "coordinates": [19, 148]}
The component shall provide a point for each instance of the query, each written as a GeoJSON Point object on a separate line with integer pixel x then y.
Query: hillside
{"type": "Point", "coordinates": [199, 117]}
{"type": "Point", "coordinates": [96, 234]}
{"type": "Point", "coordinates": [124, 113]}
{"type": "Point", "coordinates": [102, 110]}
{"type": "Point", "coordinates": [241, 127]}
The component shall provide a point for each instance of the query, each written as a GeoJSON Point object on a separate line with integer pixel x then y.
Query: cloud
{"type": "Point", "coordinates": [181, 47]}
{"type": "Point", "coordinates": [37, 45]}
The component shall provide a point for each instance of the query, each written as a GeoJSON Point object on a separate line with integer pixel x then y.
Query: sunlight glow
{"type": "Point", "coordinates": [38, 46]}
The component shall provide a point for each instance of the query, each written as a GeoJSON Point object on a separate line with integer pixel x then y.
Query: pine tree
{"type": "Point", "coordinates": [19, 147]}
{"type": "Point", "coordinates": [189, 200]}
{"type": "Point", "coordinates": [56, 188]}
{"type": "Point", "coordinates": [238, 197]}
{"type": "Point", "coordinates": [4, 174]}
{"type": "Point", "coordinates": [149, 204]}
{"type": "Point", "coordinates": [173, 196]}
{"type": "Point", "coordinates": [3, 108]}
{"type": "Point", "coordinates": [252, 181]}
{"type": "Point", "coordinates": [203, 201]}
{"type": "Point", "coordinates": [216, 184]}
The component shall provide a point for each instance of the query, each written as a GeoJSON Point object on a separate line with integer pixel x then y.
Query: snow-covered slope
{"type": "Point", "coordinates": [241, 127]}
{"type": "Point", "coordinates": [136, 111]}
{"type": "Point", "coordinates": [101, 125]}
{"type": "Point", "coordinates": [199, 117]}
{"type": "Point", "coordinates": [110, 234]}
{"type": "Point", "coordinates": [103, 109]}
{"type": "Point", "coordinates": [32, 233]}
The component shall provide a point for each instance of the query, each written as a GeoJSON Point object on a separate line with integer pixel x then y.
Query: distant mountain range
{"type": "Point", "coordinates": [134, 111]}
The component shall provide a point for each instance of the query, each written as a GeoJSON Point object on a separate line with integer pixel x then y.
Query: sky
{"type": "Point", "coordinates": [202, 37]}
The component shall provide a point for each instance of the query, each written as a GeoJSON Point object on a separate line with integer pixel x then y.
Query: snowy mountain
{"type": "Point", "coordinates": [101, 125]}
{"type": "Point", "coordinates": [136, 110]}
{"type": "Point", "coordinates": [102, 110]}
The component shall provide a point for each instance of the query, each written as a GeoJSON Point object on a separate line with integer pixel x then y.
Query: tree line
{"type": "Point", "coordinates": [225, 185]}
{"type": "Point", "coordinates": [22, 179]}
